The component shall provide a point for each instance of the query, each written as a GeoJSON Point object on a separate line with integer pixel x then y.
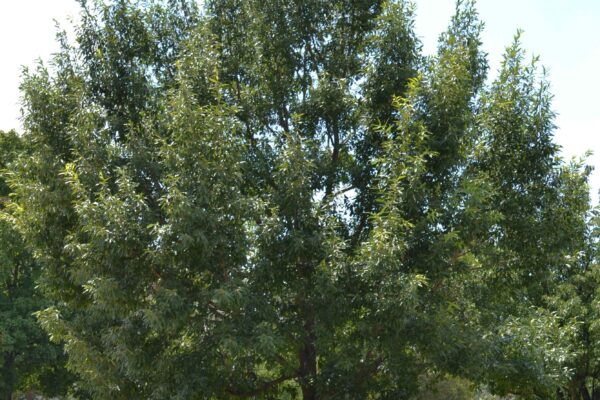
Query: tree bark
{"type": "Point", "coordinates": [308, 360]}
{"type": "Point", "coordinates": [9, 375]}
{"type": "Point", "coordinates": [573, 392]}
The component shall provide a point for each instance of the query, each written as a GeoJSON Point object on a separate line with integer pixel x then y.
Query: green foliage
{"type": "Point", "coordinates": [271, 199]}
{"type": "Point", "coordinates": [28, 361]}
{"type": "Point", "coordinates": [449, 388]}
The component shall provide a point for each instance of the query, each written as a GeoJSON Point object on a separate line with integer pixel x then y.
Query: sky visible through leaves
{"type": "Point", "coordinates": [563, 33]}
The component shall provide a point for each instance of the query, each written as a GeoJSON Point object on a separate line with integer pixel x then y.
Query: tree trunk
{"type": "Point", "coordinates": [574, 392]}
{"type": "Point", "coordinates": [308, 360]}
{"type": "Point", "coordinates": [9, 377]}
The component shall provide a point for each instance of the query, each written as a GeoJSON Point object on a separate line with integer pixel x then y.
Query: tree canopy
{"type": "Point", "coordinates": [279, 200]}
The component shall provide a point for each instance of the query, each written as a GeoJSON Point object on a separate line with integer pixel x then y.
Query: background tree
{"type": "Point", "coordinates": [28, 360]}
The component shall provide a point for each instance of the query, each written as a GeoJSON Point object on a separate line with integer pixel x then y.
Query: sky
{"type": "Point", "coordinates": [564, 33]}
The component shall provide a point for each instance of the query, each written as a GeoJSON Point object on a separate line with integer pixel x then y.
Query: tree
{"type": "Point", "coordinates": [28, 360]}
{"type": "Point", "coordinates": [574, 302]}
{"type": "Point", "coordinates": [282, 200]}
{"type": "Point", "coordinates": [544, 209]}
{"type": "Point", "coordinates": [564, 322]}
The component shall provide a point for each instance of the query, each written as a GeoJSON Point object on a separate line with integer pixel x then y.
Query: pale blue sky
{"type": "Point", "coordinates": [564, 33]}
{"type": "Point", "coordinates": [566, 36]}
